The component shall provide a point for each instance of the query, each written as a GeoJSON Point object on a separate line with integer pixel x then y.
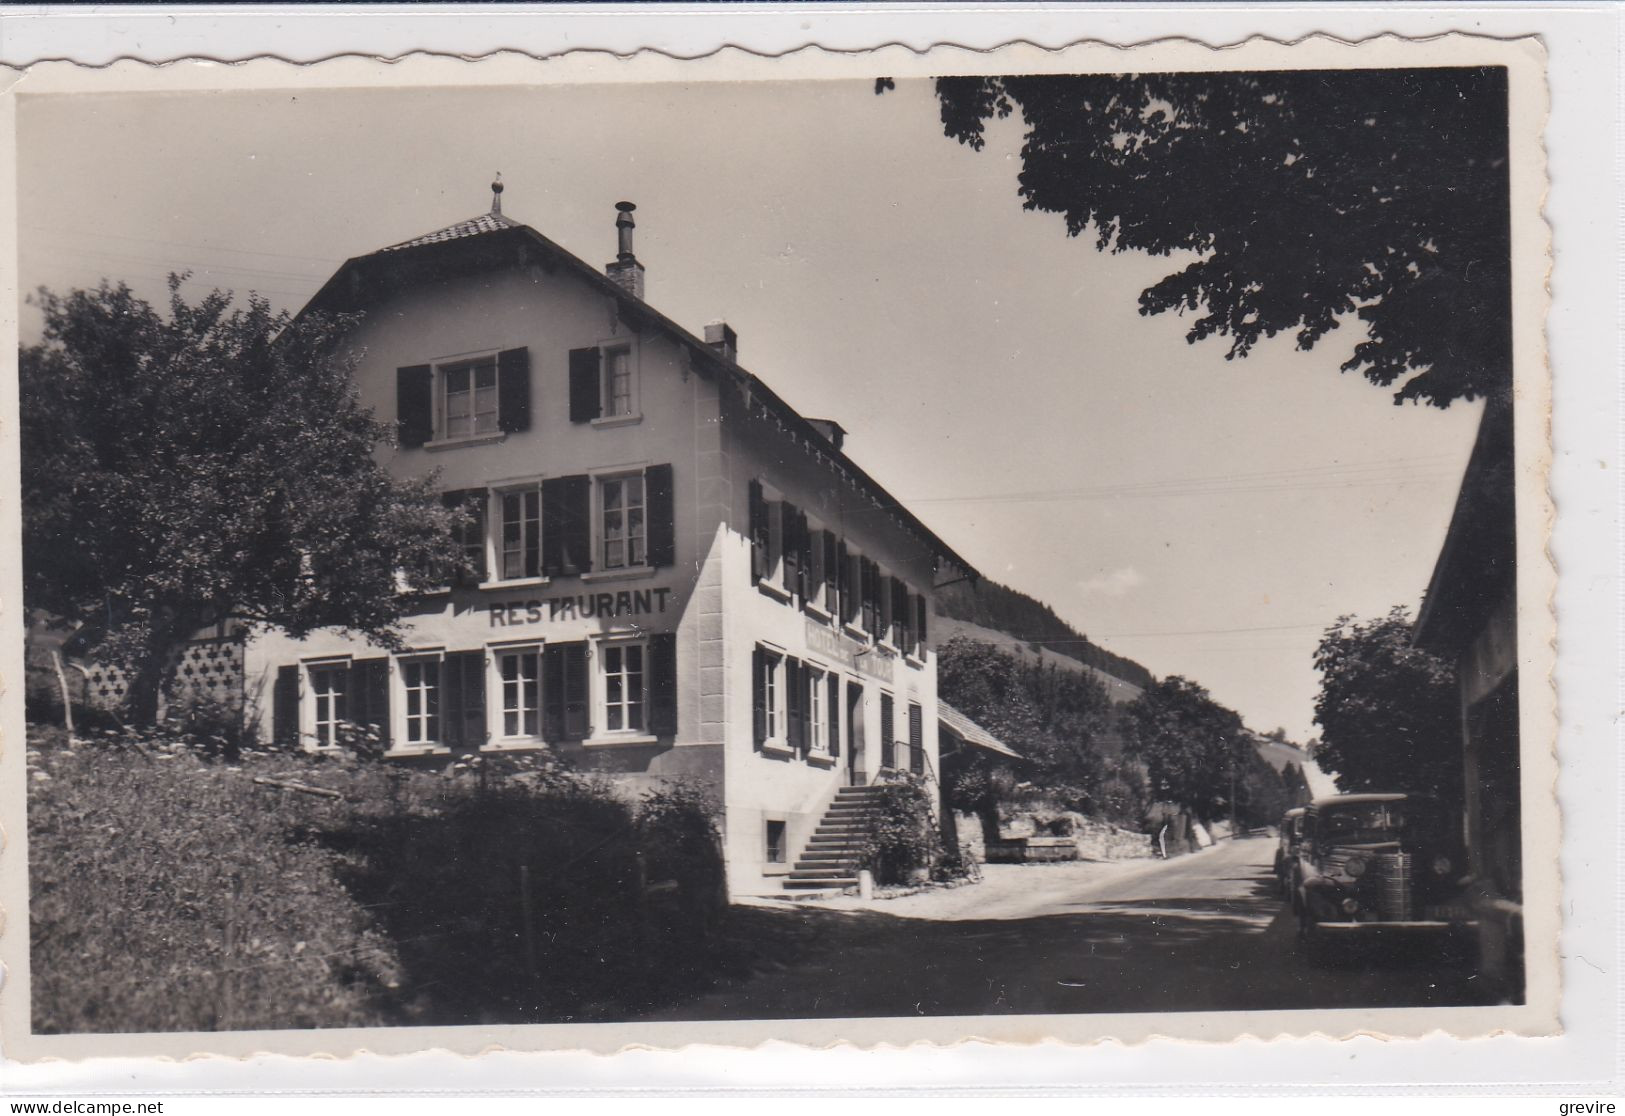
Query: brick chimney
{"type": "Point", "coordinates": [626, 272]}
{"type": "Point", "coordinates": [721, 337]}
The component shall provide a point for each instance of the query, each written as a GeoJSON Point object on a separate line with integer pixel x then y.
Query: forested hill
{"type": "Point", "coordinates": [1016, 614]}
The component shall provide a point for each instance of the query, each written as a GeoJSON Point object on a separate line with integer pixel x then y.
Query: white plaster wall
{"type": "Point", "coordinates": [796, 790]}
{"type": "Point", "coordinates": [549, 314]}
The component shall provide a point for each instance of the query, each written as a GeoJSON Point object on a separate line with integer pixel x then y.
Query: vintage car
{"type": "Point", "coordinates": [1372, 864]}
{"type": "Point", "coordinates": [1286, 853]}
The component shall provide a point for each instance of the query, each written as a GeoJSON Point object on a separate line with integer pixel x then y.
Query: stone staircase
{"type": "Point", "coordinates": [829, 863]}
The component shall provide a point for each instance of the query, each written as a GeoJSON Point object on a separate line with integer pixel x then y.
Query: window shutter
{"type": "Point", "coordinates": [888, 738]}
{"type": "Point", "coordinates": [899, 614]}
{"type": "Point", "coordinates": [790, 548]}
{"type": "Point", "coordinates": [663, 683]}
{"type": "Point", "coordinates": [513, 390]}
{"type": "Point", "coordinates": [833, 699]}
{"type": "Point", "coordinates": [869, 590]}
{"type": "Point", "coordinates": [832, 573]}
{"type": "Point", "coordinates": [758, 694]}
{"type": "Point", "coordinates": [414, 405]}
{"type": "Point", "coordinates": [566, 525]}
{"type": "Point", "coordinates": [285, 707]}
{"type": "Point", "coordinates": [564, 691]}
{"type": "Point", "coordinates": [586, 384]}
{"type": "Point", "coordinates": [662, 526]}
{"type": "Point", "coordinates": [922, 606]}
{"type": "Point", "coordinates": [804, 544]}
{"type": "Point", "coordinates": [463, 707]}
{"type": "Point", "coordinates": [845, 600]}
{"type": "Point", "coordinates": [916, 737]}
{"type": "Point", "coordinates": [758, 533]}
{"type": "Point", "coordinates": [369, 697]}
{"type": "Point", "coordinates": [796, 704]}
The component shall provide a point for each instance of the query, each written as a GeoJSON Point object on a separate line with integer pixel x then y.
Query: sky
{"type": "Point", "coordinates": [1204, 517]}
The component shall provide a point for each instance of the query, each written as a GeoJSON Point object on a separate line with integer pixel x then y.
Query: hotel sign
{"type": "Point", "coordinates": [875, 661]}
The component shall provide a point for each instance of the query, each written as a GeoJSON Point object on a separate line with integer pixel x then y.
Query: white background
{"type": "Point", "coordinates": [1583, 144]}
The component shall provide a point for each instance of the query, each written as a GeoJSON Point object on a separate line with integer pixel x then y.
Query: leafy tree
{"type": "Point", "coordinates": [1296, 785]}
{"type": "Point", "coordinates": [1189, 744]}
{"type": "Point", "coordinates": [1388, 711]}
{"type": "Point", "coordinates": [209, 466]}
{"type": "Point", "coordinates": [1307, 198]}
{"type": "Point", "coordinates": [1053, 716]}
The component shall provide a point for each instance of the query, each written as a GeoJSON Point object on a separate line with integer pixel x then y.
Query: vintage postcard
{"type": "Point", "coordinates": [590, 552]}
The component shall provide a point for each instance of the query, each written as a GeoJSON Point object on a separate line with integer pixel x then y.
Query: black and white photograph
{"type": "Point", "coordinates": [861, 550]}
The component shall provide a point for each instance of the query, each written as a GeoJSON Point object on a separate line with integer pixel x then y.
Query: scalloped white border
{"type": "Point", "coordinates": [1537, 582]}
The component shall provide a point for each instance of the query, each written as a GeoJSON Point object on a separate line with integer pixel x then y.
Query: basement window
{"type": "Point", "coordinates": [777, 852]}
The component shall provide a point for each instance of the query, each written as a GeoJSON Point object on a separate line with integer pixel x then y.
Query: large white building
{"type": "Point", "coordinates": [682, 577]}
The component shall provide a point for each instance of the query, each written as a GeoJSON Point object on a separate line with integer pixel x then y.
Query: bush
{"type": "Point", "coordinates": [902, 839]}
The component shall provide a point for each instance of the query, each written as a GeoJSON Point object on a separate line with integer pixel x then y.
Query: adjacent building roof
{"type": "Point", "coordinates": [971, 732]}
{"type": "Point", "coordinates": [493, 240]}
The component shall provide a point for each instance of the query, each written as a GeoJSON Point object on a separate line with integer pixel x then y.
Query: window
{"type": "Point", "coordinates": [328, 688]}
{"type": "Point", "coordinates": [478, 397]}
{"type": "Point", "coordinates": [618, 396]}
{"type": "Point", "coordinates": [777, 851]}
{"type": "Point", "coordinates": [767, 697]}
{"type": "Point", "coordinates": [624, 529]}
{"type": "Point", "coordinates": [625, 686]}
{"type": "Point", "coordinates": [604, 383]}
{"type": "Point", "coordinates": [420, 679]}
{"type": "Point", "coordinates": [817, 571]}
{"type": "Point", "coordinates": [817, 706]}
{"type": "Point", "coordinates": [520, 695]}
{"type": "Point", "coordinates": [469, 399]}
{"type": "Point", "coordinates": [521, 533]}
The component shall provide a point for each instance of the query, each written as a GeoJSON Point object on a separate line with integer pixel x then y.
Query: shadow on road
{"type": "Point", "coordinates": [1136, 955]}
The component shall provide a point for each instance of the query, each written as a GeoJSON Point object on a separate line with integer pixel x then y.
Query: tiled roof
{"type": "Point", "coordinates": [971, 732]}
{"type": "Point", "coordinates": [474, 226]}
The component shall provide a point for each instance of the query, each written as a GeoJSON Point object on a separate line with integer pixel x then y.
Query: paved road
{"type": "Point", "coordinates": [1205, 932]}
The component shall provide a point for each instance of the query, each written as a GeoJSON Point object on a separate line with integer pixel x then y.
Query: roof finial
{"type": "Point", "coordinates": [496, 196]}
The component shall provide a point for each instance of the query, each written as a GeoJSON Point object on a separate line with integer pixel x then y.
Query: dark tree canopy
{"type": "Point", "coordinates": [1190, 745]}
{"type": "Point", "coordinates": [1388, 710]}
{"type": "Point", "coordinates": [1308, 197]}
{"type": "Point", "coordinates": [209, 466]}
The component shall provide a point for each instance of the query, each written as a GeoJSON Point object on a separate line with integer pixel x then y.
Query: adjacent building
{"type": "Point", "coordinates": [677, 576]}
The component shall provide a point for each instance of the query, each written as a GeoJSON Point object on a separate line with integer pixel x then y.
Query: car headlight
{"type": "Point", "coordinates": [1441, 865]}
{"type": "Point", "coordinates": [1355, 867]}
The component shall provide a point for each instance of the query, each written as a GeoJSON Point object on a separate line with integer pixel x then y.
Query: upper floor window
{"type": "Point", "coordinates": [624, 527]}
{"type": "Point", "coordinates": [465, 398]}
{"type": "Point", "coordinates": [469, 399]}
{"type": "Point", "coordinates": [521, 511]}
{"type": "Point", "coordinates": [604, 382]}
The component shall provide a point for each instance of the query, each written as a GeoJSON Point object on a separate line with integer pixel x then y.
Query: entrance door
{"type": "Point", "coordinates": [854, 723]}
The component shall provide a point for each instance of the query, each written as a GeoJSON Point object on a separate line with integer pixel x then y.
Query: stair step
{"type": "Point", "coordinates": [831, 886]}
{"type": "Point", "coordinates": [821, 873]}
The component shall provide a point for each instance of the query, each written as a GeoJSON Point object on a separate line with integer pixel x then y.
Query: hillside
{"type": "Point", "coordinates": [991, 605]}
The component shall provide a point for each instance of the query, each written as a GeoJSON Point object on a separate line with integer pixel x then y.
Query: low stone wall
{"type": "Point", "coordinates": [1091, 839]}
{"type": "Point", "coordinates": [1030, 850]}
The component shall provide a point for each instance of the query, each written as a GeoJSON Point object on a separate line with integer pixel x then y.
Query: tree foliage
{"type": "Point", "coordinates": [1307, 198]}
{"type": "Point", "coordinates": [1189, 743]}
{"type": "Point", "coordinates": [1053, 716]}
{"type": "Point", "coordinates": [213, 465]}
{"type": "Point", "coordinates": [1388, 711]}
